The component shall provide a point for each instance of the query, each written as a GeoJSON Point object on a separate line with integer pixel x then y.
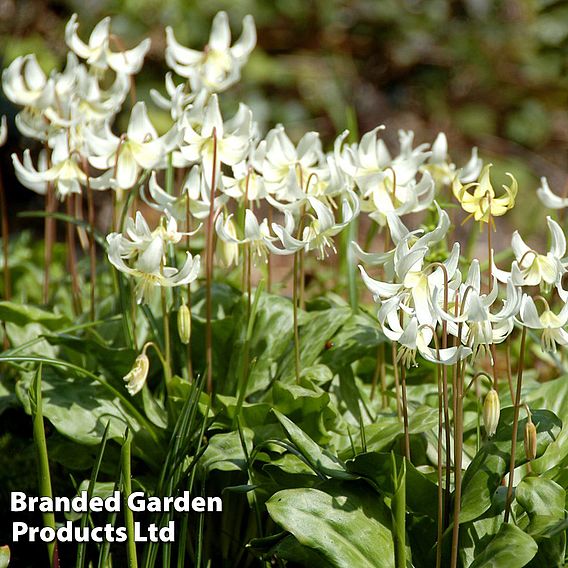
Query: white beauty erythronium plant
{"type": "Point", "coordinates": [217, 142]}
{"type": "Point", "coordinates": [124, 157]}
{"type": "Point", "coordinates": [98, 53]}
{"type": "Point", "coordinates": [256, 235]}
{"type": "Point", "coordinates": [480, 327]}
{"type": "Point", "coordinates": [288, 169]}
{"type": "Point", "coordinates": [177, 100]}
{"type": "Point", "coordinates": [411, 336]}
{"type": "Point", "coordinates": [531, 268]}
{"type": "Point", "coordinates": [141, 253]}
{"type": "Point", "coordinates": [219, 65]}
{"type": "Point", "coordinates": [386, 183]}
{"type": "Point", "coordinates": [444, 171]}
{"type": "Point", "coordinates": [318, 226]}
{"type": "Point", "coordinates": [550, 324]}
{"type": "Point", "coordinates": [411, 273]}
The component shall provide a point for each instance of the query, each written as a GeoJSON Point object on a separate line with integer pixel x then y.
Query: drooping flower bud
{"type": "Point", "coordinates": [491, 412]}
{"type": "Point", "coordinates": [136, 377]}
{"type": "Point", "coordinates": [184, 324]}
{"type": "Point", "coordinates": [229, 251]}
{"type": "Point", "coordinates": [530, 440]}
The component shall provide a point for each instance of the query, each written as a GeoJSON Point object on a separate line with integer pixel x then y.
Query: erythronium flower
{"type": "Point", "coordinates": [551, 324]}
{"type": "Point", "coordinates": [97, 52]}
{"type": "Point", "coordinates": [195, 189]}
{"type": "Point", "coordinates": [287, 169]}
{"type": "Point", "coordinates": [219, 65]}
{"type": "Point", "coordinates": [216, 141]}
{"type": "Point", "coordinates": [411, 336]}
{"type": "Point", "coordinates": [142, 253]}
{"type": "Point", "coordinates": [482, 203]}
{"type": "Point", "coordinates": [177, 101]}
{"type": "Point", "coordinates": [256, 235]}
{"type": "Point", "coordinates": [386, 183]}
{"type": "Point", "coordinates": [533, 269]}
{"type": "Point", "coordinates": [480, 328]}
{"type": "Point", "coordinates": [24, 81]}
{"type": "Point", "coordinates": [139, 149]}
{"type": "Point", "coordinates": [443, 171]}
{"type": "Point", "coordinates": [65, 172]}
{"type": "Point", "coordinates": [412, 275]}
{"type": "Point", "coordinates": [549, 199]}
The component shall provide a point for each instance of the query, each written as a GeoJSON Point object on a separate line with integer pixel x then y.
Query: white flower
{"type": "Point", "coordinates": [177, 100]}
{"type": "Point", "coordinates": [444, 171]}
{"type": "Point", "coordinates": [287, 168]}
{"type": "Point", "coordinates": [139, 149]}
{"type": "Point", "coordinates": [65, 173]}
{"type": "Point", "coordinates": [549, 199]}
{"type": "Point", "coordinates": [24, 81]}
{"type": "Point", "coordinates": [227, 142]}
{"type": "Point", "coordinates": [552, 325]}
{"type": "Point", "coordinates": [142, 253]}
{"type": "Point", "coordinates": [532, 268]}
{"type": "Point", "coordinates": [219, 65]}
{"type": "Point", "coordinates": [135, 379]}
{"type": "Point", "coordinates": [97, 52]}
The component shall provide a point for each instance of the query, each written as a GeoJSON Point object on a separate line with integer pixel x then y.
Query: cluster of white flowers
{"type": "Point", "coordinates": [228, 166]}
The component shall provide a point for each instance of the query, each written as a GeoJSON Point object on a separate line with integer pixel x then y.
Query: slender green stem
{"type": "Point", "coordinates": [125, 456]}
{"type": "Point", "coordinates": [209, 272]}
{"type": "Point", "coordinates": [458, 447]}
{"type": "Point", "coordinates": [515, 425]}
{"type": "Point", "coordinates": [295, 311]}
{"type": "Point", "coordinates": [405, 412]}
{"type": "Point", "coordinates": [167, 341]}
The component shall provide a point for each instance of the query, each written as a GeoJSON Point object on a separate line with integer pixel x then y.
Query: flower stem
{"type": "Point", "coordinates": [209, 272]}
{"type": "Point", "coordinates": [405, 412]}
{"type": "Point", "coordinates": [72, 258]}
{"type": "Point", "coordinates": [515, 425]}
{"type": "Point", "coordinates": [295, 310]}
{"type": "Point", "coordinates": [49, 238]}
{"type": "Point", "coordinates": [167, 342]}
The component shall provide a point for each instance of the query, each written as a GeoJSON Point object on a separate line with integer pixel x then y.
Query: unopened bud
{"type": "Point", "coordinates": [530, 440]}
{"type": "Point", "coordinates": [229, 252]}
{"type": "Point", "coordinates": [491, 412]}
{"type": "Point", "coordinates": [184, 324]}
{"type": "Point", "coordinates": [136, 377]}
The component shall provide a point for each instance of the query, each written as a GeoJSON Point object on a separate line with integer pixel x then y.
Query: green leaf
{"type": "Point", "coordinates": [422, 496]}
{"type": "Point", "coordinates": [357, 338]}
{"type": "Point", "coordinates": [541, 496]}
{"type": "Point", "coordinates": [341, 524]}
{"type": "Point", "coordinates": [316, 329]}
{"type": "Point", "coordinates": [224, 452]}
{"type": "Point", "coordinates": [22, 314]}
{"type": "Point", "coordinates": [321, 460]}
{"type": "Point", "coordinates": [484, 474]}
{"type": "Point", "coordinates": [271, 336]}
{"type": "Point", "coordinates": [510, 548]}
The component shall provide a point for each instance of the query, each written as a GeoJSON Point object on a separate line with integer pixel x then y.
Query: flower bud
{"type": "Point", "coordinates": [136, 377]}
{"type": "Point", "coordinates": [184, 324]}
{"type": "Point", "coordinates": [229, 252]}
{"type": "Point", "coordinates": [530, 440]}
{"type": "Point", "coordinates": [491, 412]}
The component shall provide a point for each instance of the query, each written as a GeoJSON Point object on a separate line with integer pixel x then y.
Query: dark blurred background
{"type": "Point", "coordinates": [489, 73]}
